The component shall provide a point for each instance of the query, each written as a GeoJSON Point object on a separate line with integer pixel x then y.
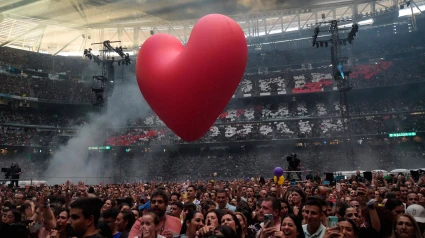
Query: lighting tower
{"type": "Point", "coordinates": [340, 76]}
{"type": "Point", "coordinates": [107, 79]}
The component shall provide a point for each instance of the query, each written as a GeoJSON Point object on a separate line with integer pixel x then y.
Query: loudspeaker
{"type": "Point", "coordinates": [329, 177]}
{"type": "Point", "coordinates": [368, 176]}
{"type": "Point", "coordinates": [415, 175]}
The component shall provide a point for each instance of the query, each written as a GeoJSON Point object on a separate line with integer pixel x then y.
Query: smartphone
{"type": "Point", "coordinates": [332, 221]}
{"type": "Point", "coordinates": [338, 187]}
{"type": "Point", "coordinates": [34, 228]}
{"type": "Point", "coordinates": [268, 217]}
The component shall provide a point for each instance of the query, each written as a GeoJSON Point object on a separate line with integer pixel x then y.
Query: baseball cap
{"type": "Point", "coordinates": [146, 206]}
{"type": "Point", "coordinates": [416, 211]}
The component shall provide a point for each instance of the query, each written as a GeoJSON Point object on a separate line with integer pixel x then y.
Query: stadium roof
{"type": "Point", "coordinates": [69, 26]}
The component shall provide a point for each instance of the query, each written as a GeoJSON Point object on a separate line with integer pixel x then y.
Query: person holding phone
{"type": "Point", "coordinates": [269, 213]}
{"type": "Point", "coordinates": [345, 228]}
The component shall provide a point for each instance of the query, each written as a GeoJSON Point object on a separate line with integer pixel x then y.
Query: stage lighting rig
{"type": "Point", "coordinates": [341, 77]}
{"type": "Point", "coordinates": [107, 79]}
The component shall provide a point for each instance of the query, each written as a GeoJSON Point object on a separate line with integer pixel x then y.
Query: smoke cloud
{"type": "Point", "coordinates": [71, 162]}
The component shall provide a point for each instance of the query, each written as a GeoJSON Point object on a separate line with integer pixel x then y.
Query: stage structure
{"type": "Point", "coordinates": [341, 77]}
{"type": "Point", "coordinates": [106, 59]}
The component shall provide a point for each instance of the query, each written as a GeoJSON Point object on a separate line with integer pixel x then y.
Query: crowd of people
{"type": "Point", "coordinates": [383, 205]}
{"type": "Point", "coordinates": [274, 130]}
{"type": "Point", "coordinates": [131, 164]}
{"type": "Point", "coordinates": [35, 117]}
{"type": "Point", "coordinates": [284, 81]}
{"type": "Point", "coordinates": [27, 60]}
{"type": "Point", "coordinates": [14, 85]}
{"type": "Point", "coordinates": [308, 128]}
{"type": "Point", "coordinates": [148, 191]}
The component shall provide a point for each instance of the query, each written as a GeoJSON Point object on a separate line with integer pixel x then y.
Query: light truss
{"type": "Point", "coordinates": [276, 23]}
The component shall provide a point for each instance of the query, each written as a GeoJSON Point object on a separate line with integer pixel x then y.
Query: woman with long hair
{"type": "Point", "coordinates": [291, 227]}
{"type": "Point", "coordinates": [124, 222]}
{"type": "Point", "coordinates": [230, 219]}
{"type": "Point", "coordinates": [109, 203]}
{"type": "Point", "coordinates": [346, 228]}
{"type": "Point", "coordinates": [405, 226]}
{"type": "Point", "coordinates": [251, 202]}
{"type": "Point", "coordinates": [244, 225]}
{"type": "Point", "coordinates": [61, 222]}
{"type": "Point", "coordinates": [286, 209]}
{"type": "Point", "coordinates": [212, 221]}
{"type": "Point", "coordinates": [193, 222]}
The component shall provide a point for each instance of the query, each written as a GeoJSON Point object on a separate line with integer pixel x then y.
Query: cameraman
{"type": "Point", "coordinates": [294, 165]}
{"type": "Point", "coordinates": [15, 172]}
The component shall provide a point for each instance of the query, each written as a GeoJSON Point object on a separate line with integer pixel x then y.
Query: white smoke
{"type": "Point", "coordinates": [71, 162]}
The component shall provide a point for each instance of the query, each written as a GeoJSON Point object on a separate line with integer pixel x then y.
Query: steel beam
{"type": "Point", "coordinates": [67, 44]}
{"type": "Point", "coordinates": [119, 31]}
{"type": "Point", "coordinates": [128, 35]}
{"type": "Point", "coordinates": [290, 23]}
{"type": "Point", "coordinates": [417, 7]}
{"type": "Point", "coordinates": [172, 29]}
{"type": "Point", "coordinates": [307, 20]}
{"type": "Point", "coordinates": [41, 39]}
{"type": "Point", "coordinates": [281, 23]}
{"type": "Point", "coordinates": [342, 16]}
{"type": "Point", "coordinates": [299, 21]}
{"type": "Point", "coordinates": [114, 35]}
{"type": "Point", "coordinates": [377, 3]}
{"type": "Point", "coordinates": [364, 8]}
{"type": "Point", "coordinates": [83, 44]}
{"type": "Point", "coordinates": [22, 35]}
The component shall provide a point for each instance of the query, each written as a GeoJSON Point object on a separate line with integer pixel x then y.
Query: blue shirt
{"type": "Point", "coordinates": [116, 235]}
{"type": "Point", "coordinates": [228, 207]}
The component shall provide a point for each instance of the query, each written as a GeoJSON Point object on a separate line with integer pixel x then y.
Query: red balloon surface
{"type": "Point", "coordinates": [188, 87]}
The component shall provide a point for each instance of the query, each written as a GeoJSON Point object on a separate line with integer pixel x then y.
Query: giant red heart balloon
{"type": "Point", "coordinates": [188, 87]}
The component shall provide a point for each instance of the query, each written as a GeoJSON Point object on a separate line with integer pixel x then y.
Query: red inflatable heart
{"type": "Point", "coordinates": [188, 87]}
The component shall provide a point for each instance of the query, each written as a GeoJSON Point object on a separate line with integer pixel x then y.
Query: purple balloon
{"type": "Point", "coordinates": [278, 171]}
